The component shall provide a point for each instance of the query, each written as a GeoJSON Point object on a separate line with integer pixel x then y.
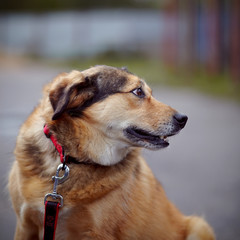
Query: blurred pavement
{"type": "Point", "coordinates": [199, 170]}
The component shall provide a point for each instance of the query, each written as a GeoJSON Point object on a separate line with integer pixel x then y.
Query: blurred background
{"type": "Point", "coordinates": [189, 53]}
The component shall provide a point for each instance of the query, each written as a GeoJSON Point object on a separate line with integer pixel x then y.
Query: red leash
{"type": "Point", "coordinates": [52, 207]}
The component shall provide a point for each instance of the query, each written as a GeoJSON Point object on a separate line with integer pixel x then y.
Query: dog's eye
{"type": "Point", "coordinates": [139, 92]}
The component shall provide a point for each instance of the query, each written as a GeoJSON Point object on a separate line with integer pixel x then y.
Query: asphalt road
{"type": "Point", "coordinates": [199, 170]}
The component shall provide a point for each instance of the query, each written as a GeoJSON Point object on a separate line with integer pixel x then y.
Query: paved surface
{"type": "Point", "coordinates": [199, 171]}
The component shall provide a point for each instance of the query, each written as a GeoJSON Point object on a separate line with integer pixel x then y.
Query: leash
{"type": "Point", "coordinates": [52, 207]}
{"type": "Point", "coordinates": [50, 221]}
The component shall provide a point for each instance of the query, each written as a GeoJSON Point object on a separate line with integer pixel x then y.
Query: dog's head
{"type": "Point", "coordinates": [117, 104]}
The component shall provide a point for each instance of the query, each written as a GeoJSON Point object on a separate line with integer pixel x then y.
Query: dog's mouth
{"type": "Point", "coordinates": [146, 139]}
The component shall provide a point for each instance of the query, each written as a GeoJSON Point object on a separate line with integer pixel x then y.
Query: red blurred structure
{"type": "Point", "coordinates": [205, 33]}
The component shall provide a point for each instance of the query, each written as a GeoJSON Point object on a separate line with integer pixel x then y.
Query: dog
{"type": "Point", "coordinates": [102, 117]}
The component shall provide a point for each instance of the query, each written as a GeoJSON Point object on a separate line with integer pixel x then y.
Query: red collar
{"type": "Point", "coordinates": [64, 159]}
{"type": "Point", "coordinates": [58, 147]}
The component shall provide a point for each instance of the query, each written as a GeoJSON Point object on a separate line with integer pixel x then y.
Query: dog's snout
{"type": "Point", "coordinates": [180, 120]}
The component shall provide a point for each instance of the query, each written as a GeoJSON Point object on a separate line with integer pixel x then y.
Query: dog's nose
{"type": "Point", "coordinates": [180, 119]}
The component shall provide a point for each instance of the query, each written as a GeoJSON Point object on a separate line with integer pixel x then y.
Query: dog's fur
{"type": "Point", "coordinates": [102, 116]}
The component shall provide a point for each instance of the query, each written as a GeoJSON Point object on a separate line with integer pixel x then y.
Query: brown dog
{"type": "Point", "coordinates": [102, 117]}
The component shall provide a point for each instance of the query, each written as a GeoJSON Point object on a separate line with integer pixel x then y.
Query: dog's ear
{"type": "Point", "coordinates": [70, 92]}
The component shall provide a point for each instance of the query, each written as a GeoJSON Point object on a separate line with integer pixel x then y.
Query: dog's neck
{"type": "Point", "coordinates": [104, 149]}
{"type": "Point", "coordinates": [98, 149]}
{"type": "Point", "coordinates": [95, 181]}
{"type": "Point", "coordinates": [111, 153]}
